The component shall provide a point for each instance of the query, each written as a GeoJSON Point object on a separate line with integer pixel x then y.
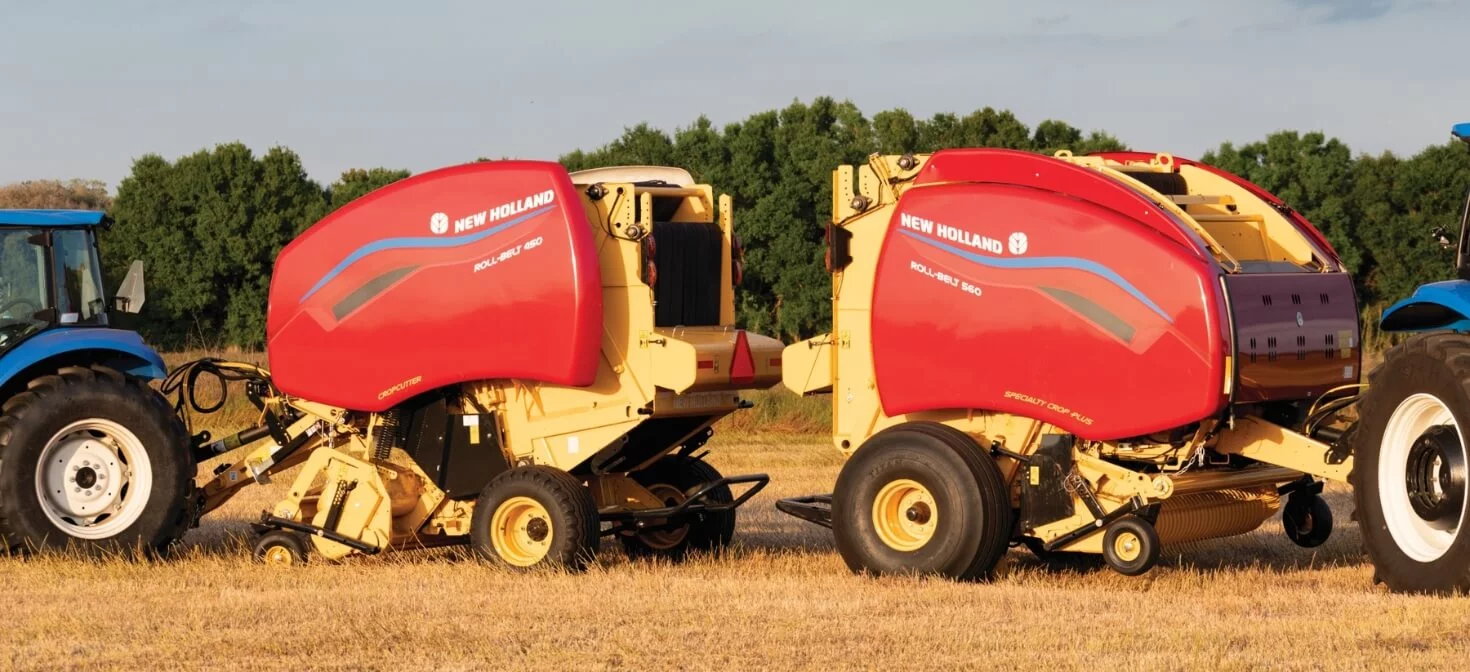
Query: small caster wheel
{"type": "Point", "coordinates": [1307, 519]}
{"type": "Point", "coordinates": [1131, 546]}
{"type": "Point", "coordinates": [281, 548]}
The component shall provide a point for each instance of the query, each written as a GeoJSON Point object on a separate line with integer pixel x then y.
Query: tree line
{"type": "Point", "coordinates": [209, 225]}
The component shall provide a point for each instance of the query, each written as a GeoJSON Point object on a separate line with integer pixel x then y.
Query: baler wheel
{"type": "Point", "coordinates": [1410, 465]}
{"type": "Point", "coordinates": [671, 479]}
{"type": "Point", "coordinates": [921, 498]}
{"type": "Point", "coordinates": [280, 548]}
{"type": "Point", "coordinates": [1307, 519]}
{"type": "Point", "coordinates": [537, 516]}
{"type": "Point", "coordinates": [1131, 546]}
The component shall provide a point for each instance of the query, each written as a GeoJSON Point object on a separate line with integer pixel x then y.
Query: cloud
{"type": "Point", "coordinates": [229, 25]}
{"type": "Point", "coordinates": [1343, 11]}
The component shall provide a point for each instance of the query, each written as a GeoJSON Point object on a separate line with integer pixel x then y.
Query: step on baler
{"type": "Point", "coordinates": [1098, 355]}
{"type": "Point", "coordinates": [504, 354]}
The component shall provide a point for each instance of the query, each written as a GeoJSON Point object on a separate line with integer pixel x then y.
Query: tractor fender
{"type": "Point", "coordinates": [1435, 306]}
{"type": "Point", "coordinates": [121, 350]}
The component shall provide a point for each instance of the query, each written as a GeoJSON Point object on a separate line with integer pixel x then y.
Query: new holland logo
{"type": "Point", "coordinates": [1018, 243]}
{"type": "Point", "coordinates": [440, 224]}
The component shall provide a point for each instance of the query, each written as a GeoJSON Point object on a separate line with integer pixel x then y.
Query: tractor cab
{"type": "Point", "coordinates": [50, 275]}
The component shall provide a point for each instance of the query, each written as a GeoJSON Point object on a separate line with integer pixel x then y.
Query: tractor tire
{"type": "Point", "coordinates": [94, 461]}
{"type": "Point", "coordinates": [1409, 471]}
{"type": "Point", "coordinates": [673, 478]}
{"type": "Point", "coordinates": [921, 498]}
{"type": "Point", "coordinates": [536, 517]}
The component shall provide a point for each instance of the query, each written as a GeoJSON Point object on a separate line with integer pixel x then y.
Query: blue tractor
{"type": "Point", "coordinates": [1410, 457]}
{"type": "Point", "coordinates": [91, 457]}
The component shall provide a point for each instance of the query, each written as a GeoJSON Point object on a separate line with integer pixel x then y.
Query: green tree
{"type": "Point", "coordinates": [357, 182]}
{"type": "Point", "coordinates": [208, 227]}
{"type": "Point", "coordinates": [777, 166]}
{"type": "Point", "coordinates": [1402, 201]}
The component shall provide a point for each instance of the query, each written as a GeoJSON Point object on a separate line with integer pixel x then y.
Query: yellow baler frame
{"type": "Point", "coordinates": [645, 373]}
{"type": "Point", "coordinates": [839, 363]}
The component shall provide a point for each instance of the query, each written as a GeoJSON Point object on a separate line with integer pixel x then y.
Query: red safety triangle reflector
{"type": "Point", "coordinates": [742, 364]}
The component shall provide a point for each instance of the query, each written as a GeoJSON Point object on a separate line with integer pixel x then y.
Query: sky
{"type": "Point", "coordinates": [87, 87]}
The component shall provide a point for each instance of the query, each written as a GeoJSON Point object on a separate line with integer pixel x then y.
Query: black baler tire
{"type": "Point", "coordinates": [31, 418]}
{"type": "Point", "coordinates": [576, 527]}
{"type": "Point", "coordinates": [1306, 507]}
{"type": "Point", "coordinates": [1434, 363]}
{"type": "Point", "coordinates": [974, 514]}
{"type": "Point", "coordinates": [706, 532]}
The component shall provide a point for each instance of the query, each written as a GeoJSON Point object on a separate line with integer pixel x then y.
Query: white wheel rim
{"type": "Point", "coordinates": [93, 479]}
{"type": "Point", "coordinates": [1420, 539]}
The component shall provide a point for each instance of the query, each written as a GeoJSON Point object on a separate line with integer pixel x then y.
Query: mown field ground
{"type": "Point", "coordinates": [780, 599]}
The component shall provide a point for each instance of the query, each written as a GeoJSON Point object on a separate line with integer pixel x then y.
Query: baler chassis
{"type": "Point", "coordinates": [697, 505]}
{"type": "Point", "coordinates": [360, 493]}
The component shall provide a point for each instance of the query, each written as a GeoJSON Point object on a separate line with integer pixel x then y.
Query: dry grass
{"type": "Point", "coordinates": [782, 598]}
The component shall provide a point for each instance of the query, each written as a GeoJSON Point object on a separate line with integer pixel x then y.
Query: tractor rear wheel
{"type": "Point", "coordinates": [539, 516]}
{"type": "Point", "coordinates": [921, 498]}
{"type": "Point", "coordinates": [1409, 472]}
{"type": "Point", "coordinates": [672, 479]}
{"type": "Point", "coordinates": [93, 460]}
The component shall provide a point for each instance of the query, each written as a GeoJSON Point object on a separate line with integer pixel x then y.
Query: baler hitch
{"type": "Point", "coordinates": [815, 509]}
{"type": "Point", "coordinates": [669, 517]}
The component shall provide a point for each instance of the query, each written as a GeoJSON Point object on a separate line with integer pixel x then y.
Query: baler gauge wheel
{"type": "Point", "coordinates": [281, 548]}
{"type": "Point", "coordinates": [1307, 519]}
{"type": "Point", "coordinates": [1131, 546]}
{"type": "Point", "coordinates": [521, 531]}
{"type": "Point", "coordinates": [905, 515]}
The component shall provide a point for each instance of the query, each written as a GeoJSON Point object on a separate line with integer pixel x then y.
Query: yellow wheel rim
{"type": "Point", "coordinates": [279, 556]}
{"type": "Point", "coordinates": [905, 515]}
{"type": "Point", "coordinates": [1127, 546]}
{"type": "Point", "coordinates": [521, 531]}
{"type": "Point", "coordinates": [664, 540]}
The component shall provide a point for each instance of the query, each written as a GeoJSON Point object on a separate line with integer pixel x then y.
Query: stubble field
{"type": "Point", "coordinates": [781, 599]}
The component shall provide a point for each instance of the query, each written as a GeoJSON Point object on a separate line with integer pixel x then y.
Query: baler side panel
{"type": "Point", "coordinates": [1021, 300]}
{"type": "Point", "coordinates": [473, 272]}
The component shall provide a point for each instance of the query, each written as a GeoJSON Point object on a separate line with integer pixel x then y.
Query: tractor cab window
{"type": "Point", "coordinates": [78, 280]}
{"type": "Point", "coordinates": [22, 286]}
